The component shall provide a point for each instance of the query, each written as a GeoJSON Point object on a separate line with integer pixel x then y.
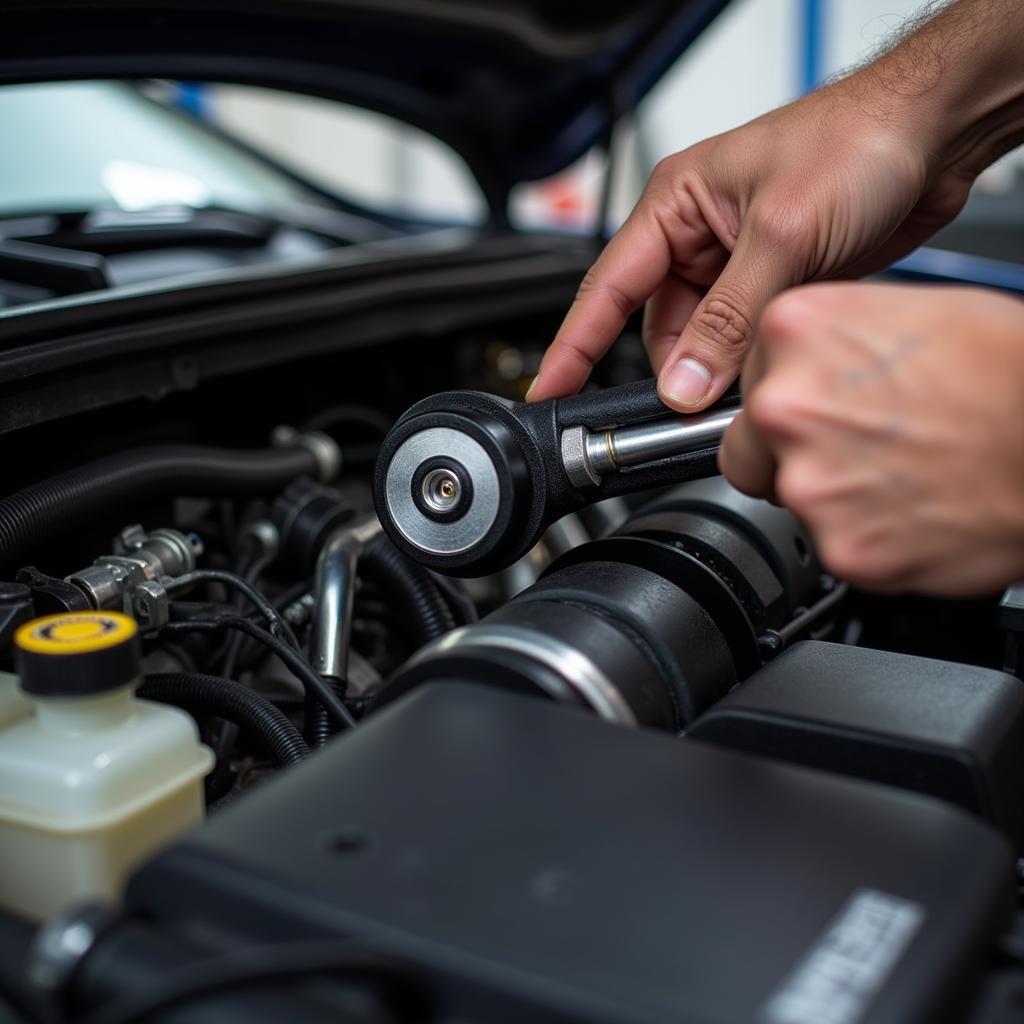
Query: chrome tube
{"type": "Point", "coordinates": [647, 442]}
{"type": "Point", "coordinates": [588, 456]}
{"type": "Point", "coordinates": [334, 589]}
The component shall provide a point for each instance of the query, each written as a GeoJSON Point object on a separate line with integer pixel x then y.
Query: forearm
{"type": "Point", "coordinates": [955, 85]}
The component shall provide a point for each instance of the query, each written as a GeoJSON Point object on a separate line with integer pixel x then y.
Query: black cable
{"type": "Point", "coordinates": [237, 704]}
{"type": "Point", "coordinates": [276, 622]}
{"type": "Point", "coordinates": [792, 629]}
{"type": "Point", "coordinates": [267, 965]}
{"type": "Point", "coordinates": [221, 780]}
{"type": "Point", "coordinates": [249, 571]}
{"type": "Point", "coordinates": [249, 568]}
{"type": "Point", "coordinates": [295, 662]}
{"type": "Point", "coordinates": [195, 610]}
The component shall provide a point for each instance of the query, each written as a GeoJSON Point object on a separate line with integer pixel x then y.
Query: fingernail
{"type": "Point", "coordinates": [686, 381]}
{"type": "Point", "coordinates": [532, 387]}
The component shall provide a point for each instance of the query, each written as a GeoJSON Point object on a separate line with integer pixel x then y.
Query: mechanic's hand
{"type": "Point", "coordinates": [822, 188]}
{"type": "Point", "coordinates": [890, 419]}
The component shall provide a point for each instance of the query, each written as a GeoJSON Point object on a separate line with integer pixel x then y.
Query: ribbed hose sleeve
{"type": "Point", "coordinates": [209, 695]}
{"type": "Point", "coordinates": [410, 586]}
{"type": "Point", "coordinates": [41, 510]}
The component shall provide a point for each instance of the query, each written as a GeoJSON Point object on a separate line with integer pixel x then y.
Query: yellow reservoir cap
{"type": "Point", "coordinates": [75, 633]}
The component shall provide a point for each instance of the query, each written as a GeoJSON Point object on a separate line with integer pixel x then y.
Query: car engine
{"type": "Point", "coordinates": [628, 753]}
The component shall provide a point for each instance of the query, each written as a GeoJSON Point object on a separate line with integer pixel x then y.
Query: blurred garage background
{"type": "Point", "coordinates": [779, 48]}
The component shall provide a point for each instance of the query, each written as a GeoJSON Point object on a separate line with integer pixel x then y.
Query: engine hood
{"type": "Point", "coordinates": [520, 88]}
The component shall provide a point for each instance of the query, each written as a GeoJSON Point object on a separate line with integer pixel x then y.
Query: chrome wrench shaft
{"type": "Point", "coordinates": [589, 456]}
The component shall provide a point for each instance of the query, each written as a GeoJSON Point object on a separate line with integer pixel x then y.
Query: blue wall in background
{"type": "Point", "coordinates": [812, 30]}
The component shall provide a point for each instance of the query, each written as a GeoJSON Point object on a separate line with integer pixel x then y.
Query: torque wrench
{"type": "Point", "coordinates": [466, 482]}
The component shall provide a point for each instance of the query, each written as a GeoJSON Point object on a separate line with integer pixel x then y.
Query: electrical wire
{"type": "Point", "coordinates": [311, 681]}
{"type": "Point", "coordinates": [249, 569]}
{"type": "Point", "coordinates": [278, 626]}
{"type": "Point", "coordinates": [268, 965]}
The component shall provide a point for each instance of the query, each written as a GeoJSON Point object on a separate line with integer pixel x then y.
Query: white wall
{"type": "Point", "coordinates": [748, 62]}
{"type": "Point", "coordinates": [744, 65]}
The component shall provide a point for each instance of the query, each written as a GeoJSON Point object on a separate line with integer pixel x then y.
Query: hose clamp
{"type": "Point", "coordinates": [583, 675]}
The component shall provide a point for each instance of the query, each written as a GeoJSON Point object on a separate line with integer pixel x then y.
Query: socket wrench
{"type": "Point", "coordinates": [466, 482]}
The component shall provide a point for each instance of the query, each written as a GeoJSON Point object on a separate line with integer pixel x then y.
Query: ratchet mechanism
{"type": "Point", "coordinates": [466, 482]}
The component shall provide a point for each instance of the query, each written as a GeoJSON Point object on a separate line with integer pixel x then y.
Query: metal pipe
{"type": "Point", "coordinates": [334, 589]}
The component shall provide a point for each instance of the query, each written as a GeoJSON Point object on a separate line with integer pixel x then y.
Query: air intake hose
{"type": "Point", "coordinates": [41, 510]}
{"type": "Point", "coordinates": [649, 626]}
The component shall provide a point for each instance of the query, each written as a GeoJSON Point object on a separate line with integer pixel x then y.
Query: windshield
{"type": "Point", "coordinates": [115, 148]}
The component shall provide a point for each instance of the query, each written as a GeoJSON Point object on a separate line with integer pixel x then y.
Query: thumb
{"type": "Point", "coordinates": [709, 354]}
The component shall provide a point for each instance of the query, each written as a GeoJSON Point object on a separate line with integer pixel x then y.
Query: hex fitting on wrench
{"type": "Point", "coordinates": [466, 482]}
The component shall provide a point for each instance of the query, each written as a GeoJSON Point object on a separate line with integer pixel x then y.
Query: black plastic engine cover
{"type": "Point", "coordinates": [953, 731]}
{"type": "Point", "coordinates": [547, 866]}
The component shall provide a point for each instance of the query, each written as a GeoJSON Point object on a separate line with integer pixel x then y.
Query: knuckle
{"type": "Point", "coordinates": [788, 316]}
{"type": "Point", "coordinates": [664, 172]}
{"type": "Point", "coordinates": [721, 324]}
{"type": "Point", "coordinates": [588, 284]}
{"type": "Point", "coordinates": [594, 284]}
{"type": "Point", "coordinates": [848, 559]}
{"type": "Point", "coordinates": [770, 407]}
{"type": "Point", "coordinates": [578, 354]}
{"type": "Point", "coordinates": [797, 487]}
{"type": "Point", "coordinates": [784, 227]}
{"type": "Point", "coordinates": [842, 558]}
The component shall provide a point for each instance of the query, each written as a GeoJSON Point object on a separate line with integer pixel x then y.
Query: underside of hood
{"type": "Point", "coordinates": [520, 88]}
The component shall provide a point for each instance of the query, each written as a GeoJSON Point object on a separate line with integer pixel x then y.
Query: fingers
{"type": "Point", "coordinates": [709, 353]}
{"type": "Point", "coordinates": [631, 267]}
{"type": "Point", "coordinates": [746, 460]}
{"type": "Point", "coordinates": [668, 311]}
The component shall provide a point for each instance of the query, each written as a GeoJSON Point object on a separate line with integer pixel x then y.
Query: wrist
{"type": "Point", "coordinates": [953, 90]}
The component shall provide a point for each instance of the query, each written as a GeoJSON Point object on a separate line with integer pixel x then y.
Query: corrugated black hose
{"type": "Point", "coordinates": [41, 510]}
{"type": "Point", "coordinates": [409, 586]}
{"type": "Point", "coordinates": [223, 698]}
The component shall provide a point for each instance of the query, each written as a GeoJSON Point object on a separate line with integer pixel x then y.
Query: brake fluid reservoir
{"type": "Point", "coordinates": [13, 703]}
{"type": "Point", "coordinates": [94, 780]}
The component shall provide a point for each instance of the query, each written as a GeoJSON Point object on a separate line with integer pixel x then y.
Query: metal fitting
{"type": "Point", "coordinates": [265, 534]}
{"type": "Point", "coordinates": [324, 449]}
{"type": "Point", "coordinates": [129, 579]}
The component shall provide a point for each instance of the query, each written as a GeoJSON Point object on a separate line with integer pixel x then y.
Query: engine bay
{"type": "Point", "coordinates": [660, 767]}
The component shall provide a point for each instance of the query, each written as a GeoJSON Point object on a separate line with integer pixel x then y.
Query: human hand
{"type": "Point", "coordinates": [827, 187]}
{"type": "Point", "coordinates": [890, 419]}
